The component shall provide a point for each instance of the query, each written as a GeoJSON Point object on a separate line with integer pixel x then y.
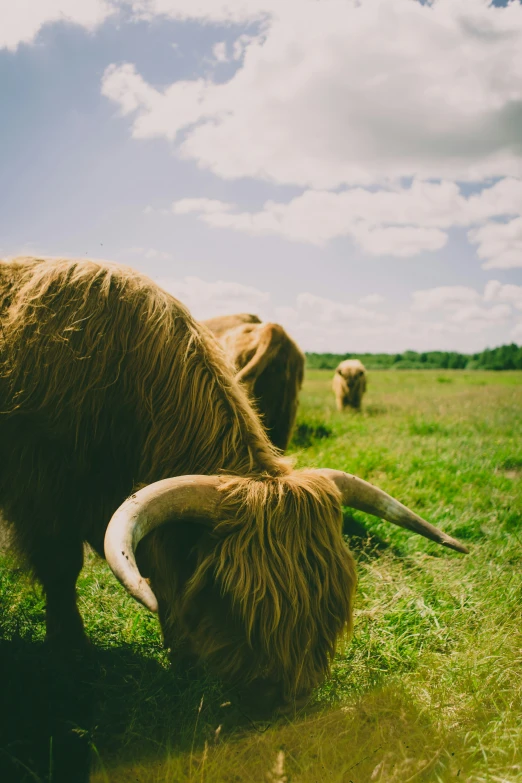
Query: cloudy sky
{"type": "Point", "coordinates": [349, 168]}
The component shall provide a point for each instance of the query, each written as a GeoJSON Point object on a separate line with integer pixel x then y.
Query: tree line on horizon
{"type": "Point", "coordinates": [505, 357]}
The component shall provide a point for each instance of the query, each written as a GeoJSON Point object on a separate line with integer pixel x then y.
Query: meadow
{"type": "Point", "coordinates": [428, 689]}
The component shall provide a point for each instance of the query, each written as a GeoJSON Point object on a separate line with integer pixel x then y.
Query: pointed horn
{"type": "Point", "coordinates": [361, 495]}
{"type": "Point", "coordinates": [183, 497]}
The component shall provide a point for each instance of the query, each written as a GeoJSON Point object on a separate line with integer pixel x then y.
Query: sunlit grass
{"type": "Point", "coordinates": [430, 687]}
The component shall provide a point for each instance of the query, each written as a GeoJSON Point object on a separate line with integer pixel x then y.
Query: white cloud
{"type": "Point", "coordinates": [123, 85]}
{"type": "Point", "coordinates": [319, 215]}
{"type": "Point", "coordinates": [496, 292]}
{"type": "Point", "coordinates": [462, 308]}
{"type": "Point", "coordinates": [309, 318]}
{"type": "Point", "coordinates": [467, 311]}
{"type": "Point", "coordinates": [201, 206]}
{"type": "Point", "coordinates": [335, 93]}
{"type": "Point", "coordinates": [219, 50]}
{"type": "Point", "coordinates": [327, 311]}
{"type": "Point", "coordinates": [22, 20]}
{"type": "Point", "coordinates": [516, 333]}
{"type": "Point", "coordinates": [401, 222]}
{"type": "Point", "coordinates": [320, 324]}
{"type": "Point", "coordinates": [371, 299]}
{"type": "Point", "coordinates": [503, 198]}
{"type": "Point", "coordinates": [207, 299]}
{"type": "Point", "coordinates": [211, 11]}
{"type": "Point", "coordinates": [241, 44]}
{"type": "Point", "coordinates": [153, 253]}
{"type": "Point", "coordinates": [160, 113]}
{"type": "Point", "coordinates": [446, 297]}
{"type": "Point", "coordinates": [347, 92]}
{"type": "Point", "coordinates": [476, 315]}
{"type": "Point", "coordinates": [403, 241]}
{"type": "Point", "coordinates": [149, 253]}
{"type": "Point", "coordinates": [499, 243]}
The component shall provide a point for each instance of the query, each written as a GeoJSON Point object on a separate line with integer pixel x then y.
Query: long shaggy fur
{"type": "Point", "coordinates": [107, 384]}
{"type": "Point", "coordinates": [269, 364]}
{"type": "Point", "coordinates": [349, 384]}
{"type": "Point", "coordinates": [276, 579]}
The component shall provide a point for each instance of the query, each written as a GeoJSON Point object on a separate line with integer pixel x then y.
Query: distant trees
{"type": "Point", "coordinates": [505, 357]}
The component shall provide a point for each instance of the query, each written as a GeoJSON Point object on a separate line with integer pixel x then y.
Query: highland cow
{"type": "Point", "coordinates": [349, 384]}
{"type": "Point", "coordinates": [108, 388]}
{"type": "Point", "coordinates": [270, 366]}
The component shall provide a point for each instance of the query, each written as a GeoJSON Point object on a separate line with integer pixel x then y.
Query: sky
{"type": "Point", "coordinates": [351, 169]}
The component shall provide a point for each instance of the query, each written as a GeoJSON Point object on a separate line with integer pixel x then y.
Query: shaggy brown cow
{"type": "Point", "coordinates": [107, 385]}
{"type": "Point", "coordinates": [270, 366]}
{"type": "Point", "coordinates": [349, 384]}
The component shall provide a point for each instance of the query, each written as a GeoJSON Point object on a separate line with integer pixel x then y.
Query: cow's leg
{"type": "Point", "coordinates": [56, 562]}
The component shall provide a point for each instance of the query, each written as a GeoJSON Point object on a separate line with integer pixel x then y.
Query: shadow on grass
{"type": "Point", "coordinates": [61, 717]}
{"type": "Point", "coordinates": [362, 540]}
{"type": "Point", "coordinates": [121, 714]}
{"type": "Point", "coordinates": [376, 410]}
{"type": "Point", "coordinates": [384, 735]}
{"type": "Point", "coordinates": [46, 715]}
{"type": "Point", "coordinates": [58, 712]}
{"type": "Point", "coordinates": [307, 433]}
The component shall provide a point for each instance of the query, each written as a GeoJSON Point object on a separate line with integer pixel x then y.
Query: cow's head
{"type": "Point", "coordinates": [251, 575]}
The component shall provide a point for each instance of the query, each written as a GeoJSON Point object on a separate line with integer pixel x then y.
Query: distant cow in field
{"type": "Point", "coordinates": [121, 424]}
{"type": "Point", "coordinates": [270, 366]}
{"type": "Point", "coordinates": [349, 384]}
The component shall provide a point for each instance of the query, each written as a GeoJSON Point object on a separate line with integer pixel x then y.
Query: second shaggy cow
{"type": "Point", "coordinates": [270, 366]}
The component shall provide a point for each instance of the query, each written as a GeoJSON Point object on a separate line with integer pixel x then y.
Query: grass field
{"type": "Point", "coordinates": [428, 689]}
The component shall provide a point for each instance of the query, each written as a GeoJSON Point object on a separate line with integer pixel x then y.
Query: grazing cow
{"type": "Point", "coordinates": [270, 366]}
{"type": "Point", "coordinates": [349, 384]}
{"type": "Point", "coordinates": [108, 388]}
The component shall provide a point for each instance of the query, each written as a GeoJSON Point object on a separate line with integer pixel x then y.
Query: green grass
{"type": "Point", "coordinates": [428, 689]}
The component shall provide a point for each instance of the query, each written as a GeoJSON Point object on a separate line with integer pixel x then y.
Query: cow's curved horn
{"type": "Point", "coordinates": [182, 497]}
{"type": "Point", "coordinates": [357, 493]}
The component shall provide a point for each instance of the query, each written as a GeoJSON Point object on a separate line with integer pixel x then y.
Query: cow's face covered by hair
{"type": "Point", "coordinates": [268, 585]}
{"type": "Point", "coordinates": [266, 590]}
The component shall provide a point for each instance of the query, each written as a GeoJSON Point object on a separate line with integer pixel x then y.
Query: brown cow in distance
{"type": "Point", "coordinates": [110, 389]}
{"type": "Point", "coordinates": [270, 366]}
{"type": "Point", "coordinates": [349, 384]}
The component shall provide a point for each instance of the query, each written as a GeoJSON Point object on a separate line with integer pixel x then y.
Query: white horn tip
{"type": "Point", "coordinates": [452, 543]}
{"type": "Point", "coordinates": [146, 597]}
